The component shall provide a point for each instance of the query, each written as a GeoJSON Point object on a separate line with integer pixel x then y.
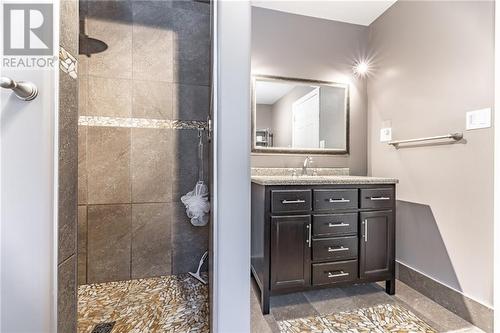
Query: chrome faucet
{"type": "Point", "coordinates": [306, 164]}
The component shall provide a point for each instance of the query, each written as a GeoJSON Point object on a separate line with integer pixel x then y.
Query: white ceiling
{"type": "Point", "coordinates": [268, 92]}
{"type": "Point", "coordinates": [362, 12]}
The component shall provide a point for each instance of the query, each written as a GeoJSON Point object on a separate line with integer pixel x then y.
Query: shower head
{"type": "Point", "coordinates": [89, 45]}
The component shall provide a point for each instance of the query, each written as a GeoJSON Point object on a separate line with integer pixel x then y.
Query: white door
{"type": "Point", "coordinates": [305, 130]}
{"type": "Point", "coordinates": [27, 227]}
{"type": "Point", "coordinates": [28, 237]}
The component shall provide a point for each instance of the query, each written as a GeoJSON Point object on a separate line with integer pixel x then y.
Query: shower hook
{"type": "Point", "coordinates": [200, 154]}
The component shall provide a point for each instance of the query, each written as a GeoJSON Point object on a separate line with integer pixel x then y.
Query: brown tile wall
{"type": "Point", "coordinates": [67, 174]}
{"type": "Point", "coordinates": [130, 180]}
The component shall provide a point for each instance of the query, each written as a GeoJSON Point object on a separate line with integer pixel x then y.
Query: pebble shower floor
{"type": "Point", "coordinates": [175, 303]}
{"type": "Point", "coordinates": [179, 303]}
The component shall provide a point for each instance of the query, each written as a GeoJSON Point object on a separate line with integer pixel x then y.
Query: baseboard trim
{"type": "Point", "coordinates": [461, 305]}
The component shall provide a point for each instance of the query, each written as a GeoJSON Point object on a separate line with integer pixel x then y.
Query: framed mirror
{"type": "Point", "coordinates": [299, 116]}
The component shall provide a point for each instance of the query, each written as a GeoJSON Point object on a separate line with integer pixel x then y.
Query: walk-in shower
{"type": "Point", "coordinates": [144, 100]}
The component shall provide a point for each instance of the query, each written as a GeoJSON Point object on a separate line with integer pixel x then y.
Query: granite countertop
{"type": "Point", "coordinates": [320, 180]}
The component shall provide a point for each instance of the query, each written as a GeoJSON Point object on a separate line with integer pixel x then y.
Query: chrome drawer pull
{"type": "Point", "coordinates": [337, 249]}
{"type": "Point", "coordinates": [309, 235]}
{"type": "Point", "coordinates": [338, 200]}
{"type": "Point", "coordinates": [292, 201]}
{"type": "Point", "coordinates": [379, 198]}
{"type": "Point", "coordinates": [342, 273]}
{"type": "Point", "coordinates": [365, 236]}
{"type": "Point", "coordinates": [342, 224]}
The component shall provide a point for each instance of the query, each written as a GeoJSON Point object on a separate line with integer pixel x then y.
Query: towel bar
{"type": "Point", "coordinates": [25, 91]}
{"type": "Point", "coordinates": [454, 136]}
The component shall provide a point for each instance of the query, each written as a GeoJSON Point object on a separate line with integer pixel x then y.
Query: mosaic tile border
{"type": "Point", "coordinates": [98, 121]}
{"type": "Point", "coordinates": [377, 319]}
{"type": "Point", "coordinates": [68, 63]}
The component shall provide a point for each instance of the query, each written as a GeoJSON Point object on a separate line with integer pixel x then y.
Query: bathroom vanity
{"type": "Point", "coordinates": [314, 228]}
{"type": "Point", "coordinates": [314, 232]}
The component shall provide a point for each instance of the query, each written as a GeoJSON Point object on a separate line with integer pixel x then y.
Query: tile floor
{"type": "Point", "coordinates": [376, 319]}
{"type": "Point", "coordinates": [175, 303]}
{"type": "Point", "coordinates": [178, 303]}
{"type": "Point", "coordinates": [335, 300]}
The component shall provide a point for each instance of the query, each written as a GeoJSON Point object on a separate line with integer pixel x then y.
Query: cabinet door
{"type": "Point", "coordinates": [290, 251]}
{"type": "Point", "coordinates": [376, 256]}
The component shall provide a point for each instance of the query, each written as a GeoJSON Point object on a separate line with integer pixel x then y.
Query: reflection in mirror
{"type": "Point", "coordinates": [300, 116]}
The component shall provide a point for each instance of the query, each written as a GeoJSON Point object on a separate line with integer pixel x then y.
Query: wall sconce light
{"type": "Point", "coordinates": [361, 68]}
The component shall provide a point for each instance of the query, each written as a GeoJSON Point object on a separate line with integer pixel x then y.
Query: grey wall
{"type": "Point", "coordinates": [434, 61]}
{"type": "Point", "coordinates": [132, 174]}
{"type": "Point", "coordinates": [305, 47]}
{"type": "Point", "coordinates": [264, 116]}
{"type": "Point", "coordinates": [282, 116]}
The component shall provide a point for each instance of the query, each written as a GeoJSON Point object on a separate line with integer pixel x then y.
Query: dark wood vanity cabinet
{"type": "Point", "coordinates": [306, 237]}
{"type": "Point", "coordinates": [377, 244]}
{"type": "Point", "coordinates": [290, 258]}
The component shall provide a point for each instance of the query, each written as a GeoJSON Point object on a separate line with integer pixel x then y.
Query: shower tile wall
{"type": "Point", "coordinates": [131, 177]}
{"type": "Point", "coordinates": [68, 146]}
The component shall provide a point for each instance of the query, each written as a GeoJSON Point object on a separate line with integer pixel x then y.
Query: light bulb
{"type": "Point", "coordinates": [361, 68]}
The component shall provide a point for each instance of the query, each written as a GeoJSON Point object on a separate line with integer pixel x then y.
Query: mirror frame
{"type": "Point", "coordinates": [280, 150]}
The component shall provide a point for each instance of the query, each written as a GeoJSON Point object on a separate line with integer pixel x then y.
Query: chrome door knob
{"type": "Point", "coordinates": [25, 91]}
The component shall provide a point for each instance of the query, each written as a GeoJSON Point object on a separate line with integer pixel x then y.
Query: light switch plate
{"type": "Point", "coordinates": [478, 119]}
{"type": "Point", "coordinates": [385, 134]}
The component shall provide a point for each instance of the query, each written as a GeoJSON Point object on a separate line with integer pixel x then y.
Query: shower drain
{"type": "Point", "coordinates": [104, 327]}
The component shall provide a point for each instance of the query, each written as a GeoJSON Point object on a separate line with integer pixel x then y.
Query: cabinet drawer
{"type": "Point", "coordinates": [290, 201]}
{"type": "Point", "coordinates": [340, 248]}
{"type": "Point", "coordinates": [330, 273]}
{"type": "Point", "coordinates": [335, 224]}
{"type": "Point", "coordinates": [335, 199]}
{"type": "Point", "coordinates": [377, 197]}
